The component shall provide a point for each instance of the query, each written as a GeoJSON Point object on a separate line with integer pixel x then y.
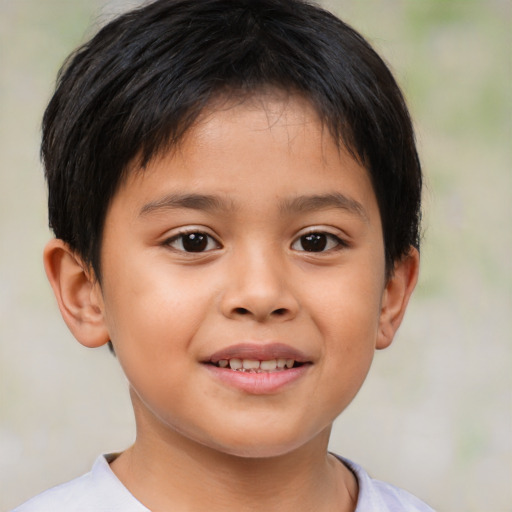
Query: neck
{"type": "Point", "coordinates": [167, 471]}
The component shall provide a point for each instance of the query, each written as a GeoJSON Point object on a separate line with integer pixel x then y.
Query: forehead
{"type": "Point", "coordinates": [273, 140]}
{"type": "Point", "coordinates": [281, 108]}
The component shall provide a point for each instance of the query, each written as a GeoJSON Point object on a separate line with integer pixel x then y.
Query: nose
{"type": "Point", "coordinates": [258, 287]}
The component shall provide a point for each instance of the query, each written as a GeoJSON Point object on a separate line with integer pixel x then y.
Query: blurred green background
{"type": "Point", "coordinates": [435, 415]}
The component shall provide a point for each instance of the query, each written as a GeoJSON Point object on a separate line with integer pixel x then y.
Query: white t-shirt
{"type": "Point", "coordinates": [101, 491]}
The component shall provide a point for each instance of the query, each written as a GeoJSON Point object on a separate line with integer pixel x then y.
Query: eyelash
{"type": "Point", "coordinates": [325, 242]}
{"type": "Point", "coordinates": [201, 240]}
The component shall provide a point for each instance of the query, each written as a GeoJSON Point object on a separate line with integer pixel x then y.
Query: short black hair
{"type": "Point", "coordinates": [137, 86]}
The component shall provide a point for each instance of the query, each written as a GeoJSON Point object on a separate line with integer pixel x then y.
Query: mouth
{"type": "Point", "coordinates": [257, 366]}
{"type": "Point", "coordinates": [258, 358]}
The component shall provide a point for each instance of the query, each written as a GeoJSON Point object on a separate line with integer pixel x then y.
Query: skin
{"type": "Point", "coordinates": [275, 175]}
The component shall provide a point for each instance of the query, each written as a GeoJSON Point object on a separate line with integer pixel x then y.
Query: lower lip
{"type": "Point", "coordinates": [259, 383]}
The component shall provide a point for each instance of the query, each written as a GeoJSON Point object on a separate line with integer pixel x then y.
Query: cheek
{"type": "Point", "coordinates": [152, 318]}
{"type": "Point", "coordinates": [350, 335]}
{"type": "Point", "coordinates": [153, 296]}
{"type": "Point", "coordinates": [347, 316]}
{"type": "Point", "coordinates": [347, 306]}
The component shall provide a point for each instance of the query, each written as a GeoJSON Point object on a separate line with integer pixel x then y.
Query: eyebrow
{"type": "Point", "coordinates": [311, 203]}
{"type": "Point", "coordinates": [300, 204]}
{"type": "Point", "coordinates": [190, 201]}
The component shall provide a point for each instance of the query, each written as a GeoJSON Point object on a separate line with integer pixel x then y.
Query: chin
{"type": "Point", "coordinates": [266, 445]}
{"type": "Point", "coordinates": [259, 452]}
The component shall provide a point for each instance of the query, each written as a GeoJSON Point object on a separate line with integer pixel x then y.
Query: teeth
{"type": "Point", "coordinates": [235, 364]}
{"type": "Point", "coordinates": [268, 365]}
{"type": "Point", "coordinates": [254, 365]}
{"type": "Point", "coordinates": [250, 364]}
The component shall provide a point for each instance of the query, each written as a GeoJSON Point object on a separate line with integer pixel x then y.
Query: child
{"type": "Point", "coordinates": [235, 194]}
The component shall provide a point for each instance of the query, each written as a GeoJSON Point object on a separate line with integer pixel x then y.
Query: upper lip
{"type": "Point", "coordinates": [259, 351]}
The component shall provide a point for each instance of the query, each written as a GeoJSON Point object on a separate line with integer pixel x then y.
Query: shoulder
{"type": "Point", "coordinates": [66, 496]}
{"type": "Point", "coordinates": [377, 496]}
{"type": "Point", "coordinates": [96, 491]}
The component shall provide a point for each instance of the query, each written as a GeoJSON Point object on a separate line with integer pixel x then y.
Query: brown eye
{"type": "Point", "coordinates": [193, 242]}
{"type": "Point", "coordinates": [314, 242]}
{"type": "Point", "coordinates": [317, 242]}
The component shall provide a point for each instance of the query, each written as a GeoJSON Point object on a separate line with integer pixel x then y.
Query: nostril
{"type": "Point", "coordinates": [276, 313]}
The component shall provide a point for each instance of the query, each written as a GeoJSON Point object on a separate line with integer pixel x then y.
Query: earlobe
{"type": "Point", "coordinates": [77, 292]}
{"type": "Point", "coordinates": [396, 296]}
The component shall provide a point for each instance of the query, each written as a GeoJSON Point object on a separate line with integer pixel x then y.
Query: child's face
{"type": "Point", "coordinates": [257, 239]}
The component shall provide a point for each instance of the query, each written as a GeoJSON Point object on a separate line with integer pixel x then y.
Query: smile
{"type": "Point", "coordinates": [257, 366]}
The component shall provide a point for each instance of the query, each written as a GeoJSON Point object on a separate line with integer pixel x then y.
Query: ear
{"type": "Point", "coordinates": [396, 296]}
{"type": "Point", "coordinates": [77, 292]}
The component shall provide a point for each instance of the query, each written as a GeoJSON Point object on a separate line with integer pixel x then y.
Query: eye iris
{"type": "Point", "coordinates": [314, 242]}
{"type": "Point", "coordinates": [195, 242]}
